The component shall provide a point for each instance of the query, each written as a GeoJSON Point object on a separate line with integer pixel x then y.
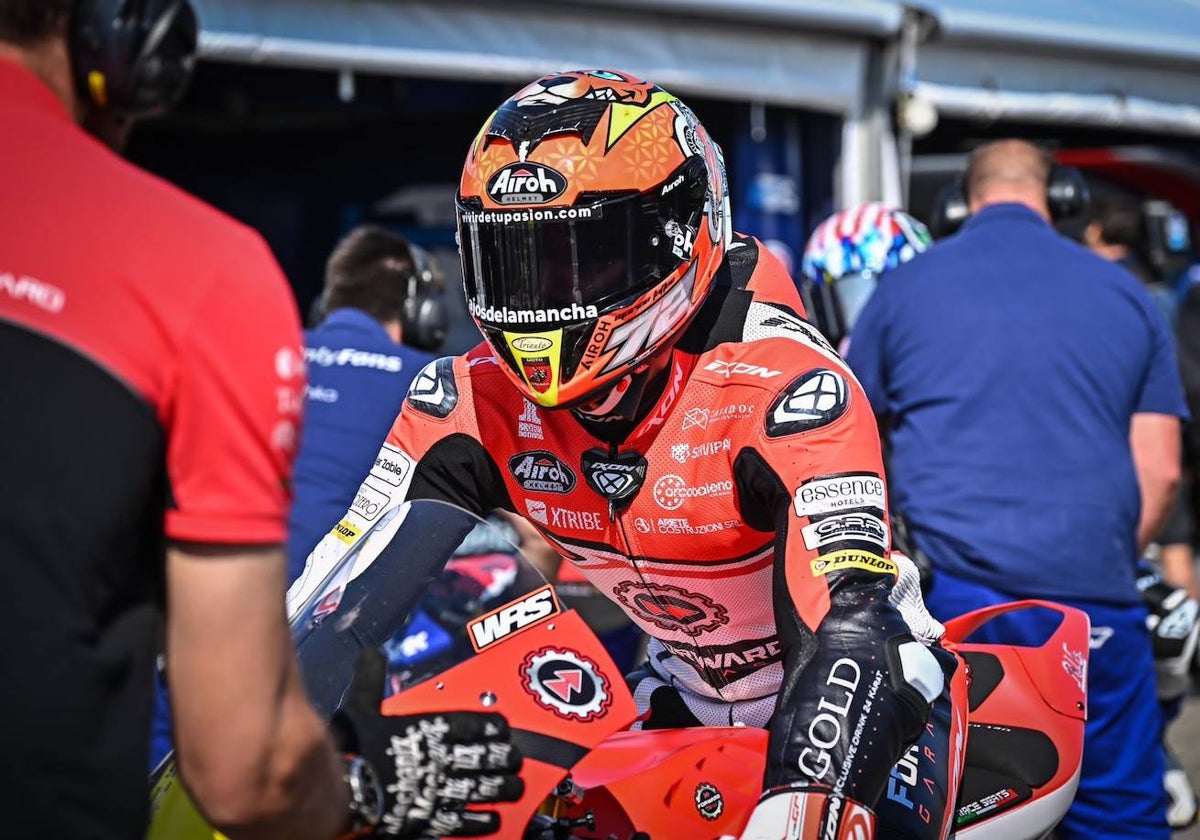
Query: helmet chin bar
{"type": "Point", "coordinates": [631, 397]}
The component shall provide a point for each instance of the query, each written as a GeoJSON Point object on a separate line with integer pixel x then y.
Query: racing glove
{"type": "Point", "coordinates": [418, 773]}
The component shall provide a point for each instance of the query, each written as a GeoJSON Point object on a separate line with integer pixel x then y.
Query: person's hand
{"type": "Point", "coordinates": [429, 767]}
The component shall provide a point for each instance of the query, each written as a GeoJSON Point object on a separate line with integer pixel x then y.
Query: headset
{"type": "Point", "coordinates": [1067, 196]}
{"type": "Point", "coordinates": [423, 317]}
{"type": "Point", "coordinates": [133, 58]}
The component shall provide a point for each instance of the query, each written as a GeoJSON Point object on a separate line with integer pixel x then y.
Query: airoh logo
{"type": "Point", "coordinates": [541, 472]}
{"type": "Point", "coordinates": [526, 183]}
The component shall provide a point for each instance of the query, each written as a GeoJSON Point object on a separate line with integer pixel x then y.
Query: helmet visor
{"type": "Point", "coordinates": [553, 265]}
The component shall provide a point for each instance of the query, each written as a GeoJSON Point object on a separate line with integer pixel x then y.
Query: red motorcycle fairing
{"type": "Point", "coordinates": [559, 690]}
{"type": "Point", "coordinates": [1027, 707]}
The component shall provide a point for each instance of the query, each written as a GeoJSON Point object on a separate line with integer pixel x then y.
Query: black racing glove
{"type": "Point", "coordinates": [429, 767]}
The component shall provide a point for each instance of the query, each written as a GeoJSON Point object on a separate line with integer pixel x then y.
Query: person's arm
{"type": "Point", "coordinates": [1154, 429]}
{"type": "Point", "coordinates": [850, 657]}
{"type": "Point", "coordinates": [252, 751]}
{"type": "Point", "coordinates": [1155, 442]}
{"type": "Point", "coordinates": [432, 452]}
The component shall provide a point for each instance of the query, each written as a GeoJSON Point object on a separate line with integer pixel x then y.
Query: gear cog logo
{"type": "Point", "coordinates": [567, 683]}
{"type": "Point", "coordinates": [709, 802]}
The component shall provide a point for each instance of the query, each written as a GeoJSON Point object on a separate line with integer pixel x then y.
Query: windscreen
{"type": "Point", "coordinates": [424, 601]}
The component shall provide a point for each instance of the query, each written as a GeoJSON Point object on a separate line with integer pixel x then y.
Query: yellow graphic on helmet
{"type": "Point", "coordinates": [537, 355]}
{"type": "Point", "coordinates": [622, 117]}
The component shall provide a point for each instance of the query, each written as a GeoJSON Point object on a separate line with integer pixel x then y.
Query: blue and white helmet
{"type": "Point", "coordinates": [845, 256]}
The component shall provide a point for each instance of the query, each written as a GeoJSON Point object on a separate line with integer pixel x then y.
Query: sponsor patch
{"type": "Point", "coordinates": [846, 526]}
{"type": "Point", "coordinates": [679, 525]}
{"type": "Point", "coordinates": [369, 502]}
{"type": "Point", "coordinates": [699, 418]}
{"type": "Point", "coordinates": [839, 561]}
{"type": "Point", "coordinates": [553, 516]}
{"type": "Point", "coordinates": [683, 452]}
{"type": "Point", "coordinates": [671, 607]}
{"type": "Point", "coordinates": [709, 802]}
{"type": "Point", "coordinates": [721, 665]}
{"type": "Point", "coordinates": [529, 423]}
{"type": "Point", "coordinates": [541, 472]}
{"type": "Point", "coordinates": [567, 683]}
{"type": "Point", "coordinates": [996, 801]}
{"type": "Point", "coordinates": [728, 369]}
{"type": "Point", "coordinates": [531, 343]}
{"type": "Point", "coordinates": [538, 372]}
{"type": "Point", "coordinates": [617, 479]}
{"type": "Point", "coordinates": [391, 465]}
{"type": "Point", "coordinates": [347, 531]}
{"type": "Point", "coordinates": [671, 491]}
{"type": "Point", "coordinates": [526, 183]}
{"type": "Point", "coordinates": [813, 400]}
{"type": "Point", "coordinates": [433, 390]}
{"type": "Point", "coordinates": [836, 493]}
{"type": "Point", "coordinates": [513, 617]}
{"type": "Point", "coordinates": [537, 511]}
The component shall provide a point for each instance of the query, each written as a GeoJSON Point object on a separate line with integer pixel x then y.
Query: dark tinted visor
{"type": "Point", "coordinates": [596, 253]}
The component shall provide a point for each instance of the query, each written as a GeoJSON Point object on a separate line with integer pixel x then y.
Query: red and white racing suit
{"type": "Point", "coordinates": [756, 552]}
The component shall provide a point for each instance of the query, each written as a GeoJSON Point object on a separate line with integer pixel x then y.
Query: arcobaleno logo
{"type": "Point", "coordinates": [504, 315]}
{"type": "Point", "coordinates": [526, 183]}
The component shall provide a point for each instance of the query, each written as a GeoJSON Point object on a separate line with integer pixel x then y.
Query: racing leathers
{"type": "Point", "coordinates": [742, 524]}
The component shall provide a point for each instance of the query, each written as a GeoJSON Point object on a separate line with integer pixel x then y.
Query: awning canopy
{"type": "Point", "coordinates": [783, 52]}
{"type": "Point", "coordinates": [1121, 63]}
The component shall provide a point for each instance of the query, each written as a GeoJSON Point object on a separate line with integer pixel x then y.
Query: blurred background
{"type": "Point", "coordinates": [308, 117]}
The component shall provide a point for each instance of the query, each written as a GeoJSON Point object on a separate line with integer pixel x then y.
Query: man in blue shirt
{"type": "Point", "coordinates": [380, 303]}
{"type": "Point", "coordinates": [1029, 387]}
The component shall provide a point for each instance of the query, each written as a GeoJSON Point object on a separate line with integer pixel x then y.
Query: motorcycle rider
{"type": "Point", "coordinates": [650, 398]}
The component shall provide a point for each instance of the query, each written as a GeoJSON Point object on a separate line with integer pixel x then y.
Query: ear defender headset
{"type": "Point", "coordinates": [423, 316]}
{"type": "Point", "coordinates": [1066, 196]}
{"type": "Point", "coordinates": [133, 58]}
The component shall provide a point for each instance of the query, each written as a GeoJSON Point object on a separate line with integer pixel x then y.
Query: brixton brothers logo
{"type": "Point", "coordinates": [526, 183]}
{"type": "Point", "coordinates": [567, 683]}
{"type": "Point", "coordinates": [540, 471]}
{"type": "Point", "coordinates": [709, 802]}
{"type": "Point", "coordinates": [671, 607]}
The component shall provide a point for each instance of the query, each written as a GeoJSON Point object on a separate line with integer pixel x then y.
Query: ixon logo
{"type": "Point", "coordinates": [526, 183]}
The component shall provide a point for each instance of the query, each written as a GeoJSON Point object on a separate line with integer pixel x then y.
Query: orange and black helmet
{"type": "Point", "coordinates": [592, 217]}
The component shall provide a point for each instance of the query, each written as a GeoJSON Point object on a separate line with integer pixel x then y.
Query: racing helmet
{"type": "Point", "coordinates": [592, 217]}
{"type": "Point", "coordinates": [845, 256]}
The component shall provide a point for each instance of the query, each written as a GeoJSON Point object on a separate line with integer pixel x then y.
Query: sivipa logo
{"type": "Point", "coordinates": [526, 183]}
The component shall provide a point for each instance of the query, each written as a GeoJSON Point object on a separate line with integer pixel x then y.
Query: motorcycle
{"type": "Point", "coordinates": [471, 629]}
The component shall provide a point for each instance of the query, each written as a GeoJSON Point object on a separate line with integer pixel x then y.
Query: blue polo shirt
{"type": "Point", "coordinates": [357, 379]}
{"type": "Point", "coordinates": [1011, 360]}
